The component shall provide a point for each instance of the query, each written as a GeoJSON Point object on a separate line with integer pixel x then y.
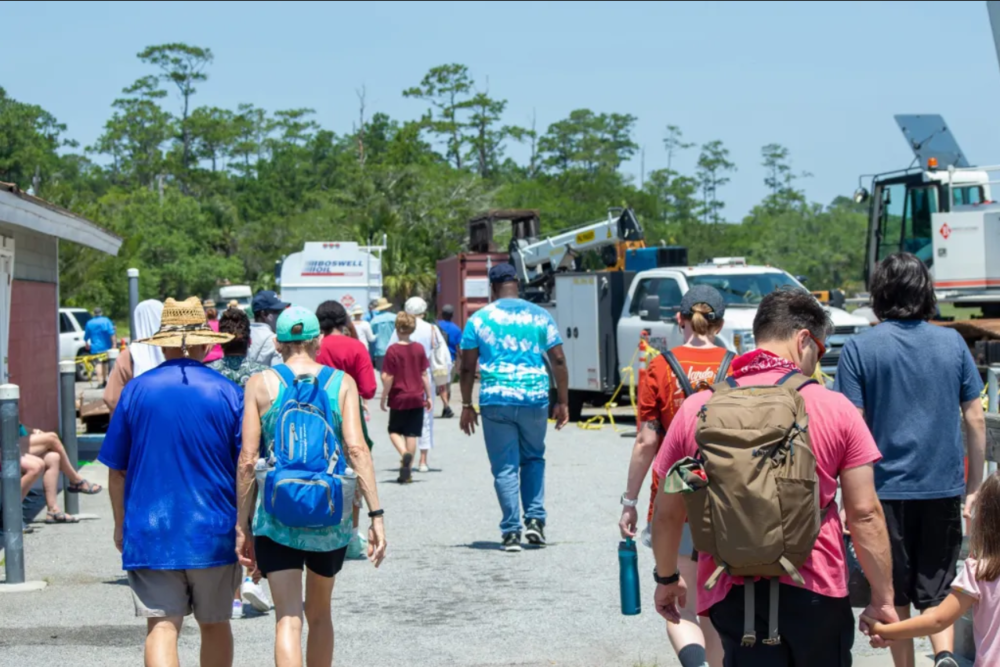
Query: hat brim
{"type": "Point", "coordinates": [379, 309]}
{"type": "Point", "coordinates": [175, 339]}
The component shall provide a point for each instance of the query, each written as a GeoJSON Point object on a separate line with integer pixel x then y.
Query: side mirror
{"type": "Point", "coordinates": [649, 311]}
{"type": "Point", "coordinates": [861, 196]}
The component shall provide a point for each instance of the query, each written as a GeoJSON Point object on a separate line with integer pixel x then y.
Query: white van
{"type": "Point", "coordinates": [242, 294]}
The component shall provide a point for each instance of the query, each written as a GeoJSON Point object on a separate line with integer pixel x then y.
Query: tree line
{"type": "Point", "coordinates": [202, 194]}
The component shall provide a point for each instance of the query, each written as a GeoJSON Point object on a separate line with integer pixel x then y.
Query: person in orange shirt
{"type": "Point", "coordinates": [672, 377]}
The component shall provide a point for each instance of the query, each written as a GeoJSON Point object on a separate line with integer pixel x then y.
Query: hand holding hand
{"type": "Point", "coordinates": [873, 620]}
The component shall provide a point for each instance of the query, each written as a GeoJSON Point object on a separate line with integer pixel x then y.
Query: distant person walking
{"type": "Point", "coordinates": [363, 328]}
{"type": "Point", "coordinates": [802, 618]}
{"type": "Point", "coordinates": [507, 339]}
{"type": "Point", "coordinates": [383, 326]}
{"type": "Point", "coordinates": [702, 364]}
{"type": "Point", "coordinates": [430, 339]}
{"type": "Point", "coordinates": [237, 368]}
{"type": "Point", "coordinates": [279, 550]}
{"type": "Point", "coordinates": [172, 448]}
{"type": "Point", "coordinates": [915, 383]}
{"type": "Point", "coordinates": [453, 337]}
{"type": "Point", "coordinates": [266, 307]}
{"type": "Point", "coordinates": [138, 357]}
{"type": "Point", "coordinates": [99, 334]}
{"type": "Point", "coordinates": [406, 393]}
{"type": "Point", "coordinates": [212, 315]}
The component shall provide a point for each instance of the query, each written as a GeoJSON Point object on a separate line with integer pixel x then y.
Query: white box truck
{"type": "Point", "coordinates": [338, 271]}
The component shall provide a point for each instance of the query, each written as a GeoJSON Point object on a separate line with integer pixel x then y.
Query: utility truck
{"type": "Point", "coordinates": [338, 271]}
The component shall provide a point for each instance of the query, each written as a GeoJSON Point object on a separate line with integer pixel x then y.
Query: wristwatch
{"type": "Point", "coordinates": [666, 581]}
{"type": "Point", "coordinates": [629, 503]}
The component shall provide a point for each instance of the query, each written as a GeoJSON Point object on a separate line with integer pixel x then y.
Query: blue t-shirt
{"type": "Point", "coordinates": [177, 432]}
{"type": "Point", "coordinates": [383, 326]}
{"type": "Point", "coordinates": [910, 377]}
{"type": "Point", "coordinates": [98, 333]}
{"type": "Point", "coordinates": [511, 335]}
{"type": "Point", "coordinates": [453, 334]}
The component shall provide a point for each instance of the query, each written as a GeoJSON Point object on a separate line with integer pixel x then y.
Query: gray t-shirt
{"type": "Point", "coordinates": [262, 350]}
{"type": "Point", "coordinates": [910, 378]}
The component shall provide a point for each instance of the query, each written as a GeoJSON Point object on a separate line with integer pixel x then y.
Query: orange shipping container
{"type": "Point", "coordinates": [463, 282]}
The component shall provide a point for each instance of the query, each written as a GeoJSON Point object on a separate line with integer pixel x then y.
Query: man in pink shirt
{"type": "Point", "coordinates": [816, 622]}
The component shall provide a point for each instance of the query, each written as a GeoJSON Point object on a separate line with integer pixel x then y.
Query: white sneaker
{"type": "Point", "coordinates": [255, 595]}
{"type": "Point", "coordinates": [237, 609]}
{"type": "Point", "coordinates": [424, 468]}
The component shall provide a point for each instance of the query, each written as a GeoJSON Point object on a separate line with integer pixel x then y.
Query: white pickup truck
{"type": "Point", "coordinates": [741, 286]}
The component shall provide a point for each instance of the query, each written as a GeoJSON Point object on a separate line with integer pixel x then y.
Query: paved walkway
{"type": "Point", "coordinates": [445, 595]}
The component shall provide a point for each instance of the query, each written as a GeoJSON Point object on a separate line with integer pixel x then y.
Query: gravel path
{"type": "Point", "coordinates": [445, 595]}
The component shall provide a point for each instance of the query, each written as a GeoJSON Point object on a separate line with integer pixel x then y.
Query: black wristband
{"type": "Point", "coordinates": [666, 581]}
{"type": "Point", "coordinates": [376, 513]}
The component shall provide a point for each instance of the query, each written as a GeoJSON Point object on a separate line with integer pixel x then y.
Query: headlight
{"type": "Point", "coordinates": [743, 341]}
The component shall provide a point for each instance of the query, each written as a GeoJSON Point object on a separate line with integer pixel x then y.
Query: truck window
{"type": "Point", "coordinates": [970, 194]}
{"type": "Point", "coordinates": [666, 288]}
{"type": "Point", "coordinates": [921, 203]}
{"type": "Point", "coordinates": [893, 212]}
{"type": "Point", "coordinates": [65, 326]}
{"type": "Point", "coordinates": [746, 289]}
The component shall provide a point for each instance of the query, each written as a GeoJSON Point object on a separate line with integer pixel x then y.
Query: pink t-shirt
{"type": "Point", "coordinates": [840, 440]}
{"type": "Point", "coordinates": [985, 613]}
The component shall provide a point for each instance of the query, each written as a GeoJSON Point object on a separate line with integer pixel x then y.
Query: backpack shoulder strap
{"type": "Point", "coordinates": [325, 377]}
{"type": "Point", "coordinates": [285, 374]}
{"type": "Point", "coordinates": [682, 379]}
{"type": "Point", "coordinates": [795, 380]}
{"type": "Point", "coordinates": [727, 361]}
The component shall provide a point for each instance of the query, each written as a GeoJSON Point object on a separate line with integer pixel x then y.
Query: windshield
{"type": "Point", "coordinates": [744, 289]}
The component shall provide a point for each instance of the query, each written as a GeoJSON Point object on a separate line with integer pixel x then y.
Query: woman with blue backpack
{"type": "Point", "coordinates": [314, 458]}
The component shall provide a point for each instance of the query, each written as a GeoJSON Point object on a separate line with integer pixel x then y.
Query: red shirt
{"type": "Point", "coordinates": [407, 364]}
{"type": "Point", "coordinates": [349, 355]}
{"type": "Point", "coordinates": [840, 440]}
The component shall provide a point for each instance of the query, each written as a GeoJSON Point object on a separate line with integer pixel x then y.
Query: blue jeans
{"type": "Point", "coordinates": [515, 443]}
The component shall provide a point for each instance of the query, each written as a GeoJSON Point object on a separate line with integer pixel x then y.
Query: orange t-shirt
{"type": "Point", "coordinates": [660, 396]}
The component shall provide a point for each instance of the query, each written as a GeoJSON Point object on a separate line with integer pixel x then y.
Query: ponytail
{"type": "Point", "coordinates": [700, 324]}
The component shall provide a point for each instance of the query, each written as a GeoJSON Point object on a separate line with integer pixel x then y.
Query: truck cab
{"type": "Point", "coordinates": [654, 299]}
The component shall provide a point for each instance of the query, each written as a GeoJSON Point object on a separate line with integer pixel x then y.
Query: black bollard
{"type": "Point", "coordinates": [10, 454]}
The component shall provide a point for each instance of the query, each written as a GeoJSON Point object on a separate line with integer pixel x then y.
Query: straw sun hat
{"type": "Point", "coordinates": [183, 325]}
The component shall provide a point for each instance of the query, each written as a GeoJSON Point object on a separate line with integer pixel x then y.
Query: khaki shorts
{"type": "Point", "coordinates": [208, 593]}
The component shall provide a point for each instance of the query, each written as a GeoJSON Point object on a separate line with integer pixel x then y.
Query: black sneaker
{"type": "Point", "coordinates": [448, 413]}
{"type": "Point", "coordinates": [945, 659]}
{"type": "Point", "coordinates": [406, 469]}
{"type": "Point", "coordinates": [512, 542]}
{"type": "Point", "coordinates": [534, 532]}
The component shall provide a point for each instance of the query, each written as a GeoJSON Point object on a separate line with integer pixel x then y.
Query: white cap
{"type": "Point", "coordinates": [133, 273]}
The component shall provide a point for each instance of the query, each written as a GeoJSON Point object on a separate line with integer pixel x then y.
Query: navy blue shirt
{"type": "Point", "coordinates": [453, 334]}
{"type": "Point", "coordinates": [910, 378]}
{"type": "Point", "coordinates": [177, 432]}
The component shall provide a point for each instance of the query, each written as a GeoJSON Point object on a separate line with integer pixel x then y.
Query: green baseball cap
{"type": "Point", "coordinates": [297, 316]}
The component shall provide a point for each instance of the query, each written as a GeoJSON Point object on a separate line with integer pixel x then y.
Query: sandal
{"type": "Point", "coordinates": [60, 517]}
{"type": "Point", "coordinates": [86, 487]}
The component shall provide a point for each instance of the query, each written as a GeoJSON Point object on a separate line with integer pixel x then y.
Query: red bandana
{"type": "Point", "coordinates": [759, 361]}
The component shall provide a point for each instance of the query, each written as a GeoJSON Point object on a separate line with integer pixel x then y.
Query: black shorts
{"type": "Point", "coordinates": [408, 423]}
{"type": "Point", "coordinates": [926, 541]}
{"type": "Point", "coordinates": [274, 557]}
{"type": "Point", "coordinates": [815, 630]}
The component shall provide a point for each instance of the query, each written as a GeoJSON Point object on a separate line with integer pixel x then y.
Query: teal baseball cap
{"type": "Point", "coordinates": [296, 324]}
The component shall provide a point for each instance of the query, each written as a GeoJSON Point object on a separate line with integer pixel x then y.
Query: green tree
{"type": "Point", "coordinates": [29, 140]}
{"type": "Point", "coordinates": [213, 134]}
{"type": "Point", "coordinates": [713, 165]}
{"type": "Point", "coordinates": [588, 141]}
{"type": "Point", "coordinates": [184, 66]}
{"type": "Point", "coordinates": [448, 89]}
{"type": "Point", "coordinates": [780, 179]}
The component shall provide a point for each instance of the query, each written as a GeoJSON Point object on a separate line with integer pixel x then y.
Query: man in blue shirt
{"type": "Point", "coordinates": [383, 326]}
{"type": "Point", "coordinates": [507, 339]}
{"type": "Point", "coordinates": [99, 334]}
{"type": "Point", "coordinates": [914, 382]}
{"type": "Point", "coordinates": [453, 337]}
{"type": "Point", "coordinates": [172, 448]}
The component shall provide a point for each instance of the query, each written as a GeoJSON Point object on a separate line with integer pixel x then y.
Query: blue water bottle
{"type": "Point", "coordinates": [628, 577]}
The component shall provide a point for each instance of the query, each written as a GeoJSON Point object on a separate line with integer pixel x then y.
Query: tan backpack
{"type": "Point", "coordinates": [759, 514]}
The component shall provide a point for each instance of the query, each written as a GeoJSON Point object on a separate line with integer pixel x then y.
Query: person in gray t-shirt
{"type": "Point", "coordinates": [915, 382]}
{"type": "Point", "coordinates": [266, 307]}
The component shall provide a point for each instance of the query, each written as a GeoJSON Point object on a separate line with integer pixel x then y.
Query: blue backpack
{"type": "Point", "coordinates": [310, 484]}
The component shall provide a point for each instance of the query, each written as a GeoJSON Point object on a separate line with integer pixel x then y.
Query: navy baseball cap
{"type": "Point", "coordinates": [267, 300]}
{"type": "Point", "coordinates": [707, 295]}
{"type": "Point", "coordinates": [503, 273]}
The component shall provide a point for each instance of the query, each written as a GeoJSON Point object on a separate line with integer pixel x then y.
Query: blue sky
{"type": "Point", "coordinates": [822, 78]}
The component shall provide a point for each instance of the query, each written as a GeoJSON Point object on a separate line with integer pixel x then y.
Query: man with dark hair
{"type": "Point", "coordinates": [514, 399]}
{"type": "Point", "coordinates": [913, 381]}
{"type": "Point", "coordinates": [814, 614]}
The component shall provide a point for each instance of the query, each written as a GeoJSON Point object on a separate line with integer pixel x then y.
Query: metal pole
{"type": "Point", "coordinates": [133, 301]}
{"type": "Point", "coordinates": [67, 376]}
{"type": "Point", "coordinates": [13, 519]}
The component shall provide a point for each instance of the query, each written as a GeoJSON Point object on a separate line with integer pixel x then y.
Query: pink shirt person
{"type": "Point", "coordinates": [985, 613]}
{"type": "Point", "coordinates": [840, 441]}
